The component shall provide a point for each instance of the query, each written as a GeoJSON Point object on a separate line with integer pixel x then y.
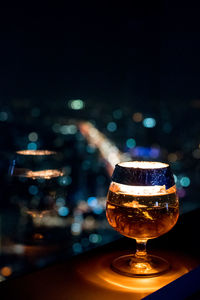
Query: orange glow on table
{"type": "Point", "coordinates": [98, 272]}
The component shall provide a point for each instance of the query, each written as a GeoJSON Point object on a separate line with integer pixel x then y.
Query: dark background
{"type": "Point", "coordinates": [146, 51]}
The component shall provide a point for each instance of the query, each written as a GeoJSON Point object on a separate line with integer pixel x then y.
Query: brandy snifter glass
{"type": "Point", "coordinates": [142, 204]}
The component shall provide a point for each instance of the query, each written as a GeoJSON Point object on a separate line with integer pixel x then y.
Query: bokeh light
{"type": "Point", "coordinates": [77, 104]}
{"type": "Point", "coordinates": [185, 181]}
{"type": "Point", "coordinates": [33, 136]}
{"type": "Point", "coordinates": [111, 126]}
{"type": "Point", "coordinates": [63, 211]}
{"type": "Point", "coordinates": [149, 122]}
{"type": "Point", "coordinates": [32, 146]}
{"type": "Point", "coordinates": [130, 143]}
{"type": "Point", "coordinates": [3, 116]}
{"type": "Point", "coordinates": [137, 117]}
{"type": "Point", "coordinates": [6, 271]}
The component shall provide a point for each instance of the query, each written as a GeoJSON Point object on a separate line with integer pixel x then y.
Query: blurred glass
{"type": "Point", "coordinates": [34, 184]}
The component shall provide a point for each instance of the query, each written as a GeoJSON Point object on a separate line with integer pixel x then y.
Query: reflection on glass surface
{"type": "Point", "coordinates": [44, 174]}
{"type": "Point", "coordinates": [35, 152]}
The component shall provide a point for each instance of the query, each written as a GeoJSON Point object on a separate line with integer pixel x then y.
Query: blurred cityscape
{"type": "Point", "coordinates": [46, 216]}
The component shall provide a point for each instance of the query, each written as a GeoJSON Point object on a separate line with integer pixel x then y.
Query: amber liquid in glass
{"type": "Point", "coordinates": [142, 216]}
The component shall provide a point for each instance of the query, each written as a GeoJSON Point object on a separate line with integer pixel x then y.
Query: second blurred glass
{"type": "Point", "coordinates": [35, 182]}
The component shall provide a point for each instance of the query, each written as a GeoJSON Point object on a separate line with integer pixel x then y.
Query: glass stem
{"type": "Point", "coordinates": [141, 251]}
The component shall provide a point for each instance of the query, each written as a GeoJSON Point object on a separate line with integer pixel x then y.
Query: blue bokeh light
{"type": "Point", "coordinates": [111, 126]}
{"type": "Point", "coordinates": [32, 146]}
{"type": "Point", "coordinates": [131, 143]}
{"type": "Point", "coordinates": [149, 122]}
{"type": "Point", "coordinates": [33, 189]}
{"type": "Point", "coordinates": [185, 181]}
{"type": "Point", "coordinates": [63, 211]}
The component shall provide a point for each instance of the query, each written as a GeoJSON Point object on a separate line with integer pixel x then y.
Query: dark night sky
{"type": "Point", "coordinates": [148, 52]}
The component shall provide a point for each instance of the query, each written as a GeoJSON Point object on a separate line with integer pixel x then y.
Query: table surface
{"type": "Point", "coordinates": [88, 276]}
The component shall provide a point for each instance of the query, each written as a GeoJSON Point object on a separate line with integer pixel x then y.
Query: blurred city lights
{"type": "Point", "coordinates": [68, 129]}
{"type": "Point", "coordinates": [95, 238]}
{"type": "Point", "coordinates": [89, 223]}
{"type": "Point", "coordinates": [185, 181]}
{"type": "Point", "coordinates": [65, 180]}
{"type": "Point", "coordinates": [111, 126]}
{"type": "Point", "coordinates": [64, 129]}
{"type": "Point", "coordinates": [77, 104]}
{"type": "Point", "coordinates": [56, 127]}
{"type": "Point", "coordinates": [146, 152]}
{"type": "Point", "coordinates": [90, 149]}
{"type": "Point", "coordinates": [60, 201]}
{"type": "Point", "coordinates": [181, 192]}
{"type": "Point", "coordinates": [92, 201]}
{"type": "Point", "coordinates": [77, 248]}
{"type": "Point", "coordinates": [172, 157]}
{"type": "Point", "coordinates": [98, 209]}
{"type": "Point", "coordinates": [18, 249]}
{"type": "Point", "coordinates": [130, 143]}
{"type": "Point", "coordinates": [107, 149]}
{"type": "Point", "coordinates": [95, 205]}
{"type": "Point", "coordinates": [76, 228]}
{"type": "Point", "coordinates": [33, 189]}
{"type": "Point", "coordinates": [63, 211]}
{"type": "Point", "coordinates": [137, 117]}
{"type": "Point", "coordinates": [154, 152]}
{"type": "Point", "coordinates": [3, 116]}
{"type": "Point", "coordinates": [32, 146]}
{"type": "Point", "coordinates": [117, 114]}
{"type": "Point", "coordinates": [33, 136]}
{"type": "Point", "coordinates": [84, 216]}
{"type": "Point", "coordinates": [6, 271]}
{"type": "Point", "coordinates": [196, 153]}
{"type": "Point", "coordinates": [149, 122]}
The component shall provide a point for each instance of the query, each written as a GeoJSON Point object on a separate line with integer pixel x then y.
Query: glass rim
{"type": "Point", "coordinates": [143, 164]}
{"type": "Point", "coordinates": [135, 176]}
{"type": "Point", "coordinates": [36, 152]}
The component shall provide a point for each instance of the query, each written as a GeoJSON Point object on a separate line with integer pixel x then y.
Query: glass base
{"type": "Point", "coordinates": [134, 266]}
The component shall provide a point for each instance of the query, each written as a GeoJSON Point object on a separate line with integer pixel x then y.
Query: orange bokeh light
{"type": "Point", "coordinates": [6, 271]}
{"type": "Point", "coordinates": [137, 117]}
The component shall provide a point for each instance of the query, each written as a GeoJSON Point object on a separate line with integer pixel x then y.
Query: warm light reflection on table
{"type": "Point", "coordinates": [97, 271]}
